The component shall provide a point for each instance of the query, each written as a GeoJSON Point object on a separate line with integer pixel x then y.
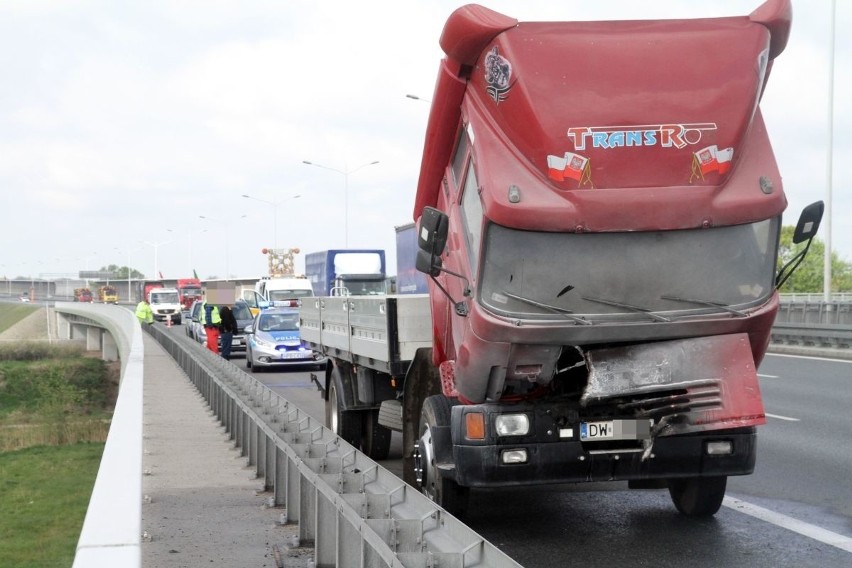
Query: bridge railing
{"type": "Point", "coordinates": [112, 529]}
{"type": "Point", "coordinates": [807, 310]}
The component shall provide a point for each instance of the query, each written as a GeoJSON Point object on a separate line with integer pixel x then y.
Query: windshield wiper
{"type": "Point", "coordinates": [705, 303]}
{"type": "Point", "coordinates": [554, 309]}
{"type": "Point", "coordinates": [645, 311]}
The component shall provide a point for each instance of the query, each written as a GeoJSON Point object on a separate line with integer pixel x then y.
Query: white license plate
{"type": "Point", "coordinates": [597, 430]}
{"type": "Point", "coordinates": [615, 430]}
{"type": "Point", "coordinates": [236, 342]}
{"type": "Point", "coordinates": [291, 355]}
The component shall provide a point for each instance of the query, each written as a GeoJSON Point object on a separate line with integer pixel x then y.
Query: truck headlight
{"type": "Point", "coordinates": [720, 448]}
{"type": "Point", "coordinates": [512, 424]}
{"type": "Point", "coordinates": [513, 456]}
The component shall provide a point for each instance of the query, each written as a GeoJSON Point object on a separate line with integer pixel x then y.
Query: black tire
{"type": "Point", "coordinates": [347, 425]}
{"type": "Point", "coordinates": [376, 440]}
{"type": "Point", "coordinates": [248, 361]}
{"type": "Point", "coordinates": [442, 490]}
{"type": "Point", "coordinates": [698, 496]}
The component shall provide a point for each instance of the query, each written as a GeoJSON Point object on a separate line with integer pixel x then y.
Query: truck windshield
{"type": "Point", "coordinates": [364, 287]}
{"type": "Point", "coordinates": [277, 295]}
{"type": "Point", "coordinates": [164, 298]}
{"type": "Point", "coordinates": [621, 275]}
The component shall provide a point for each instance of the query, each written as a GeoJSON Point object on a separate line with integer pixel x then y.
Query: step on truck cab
{"type": "Point", "coordinates": [598, 211]}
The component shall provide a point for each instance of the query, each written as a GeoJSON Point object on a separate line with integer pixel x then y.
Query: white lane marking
{"type": "Point", "coordinates": [767, 376]}
{"type": "Point", "coordinates": [835, 360]}
{"type": "Point", "coordinates": [805, 529]}
{"type": "Point", "coordinates": [787, 418]}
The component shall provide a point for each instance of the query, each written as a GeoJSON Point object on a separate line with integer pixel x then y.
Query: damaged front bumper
{"type": "Point", "coordinates": [680, 408]}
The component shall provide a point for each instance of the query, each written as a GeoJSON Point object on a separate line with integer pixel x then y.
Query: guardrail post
{"type": "Point", "coordinates": [260, 454]}
{"type": "Point", "coordinates": [307, 512]}
{"type": "Point", "coordinates": [281, 481]}
{"type": "Point", "coordinates": [326, 540]}
{"type": "Point", "coordinates": [294, 490]}
{"type": "Point", "coordinates": [269, 470]}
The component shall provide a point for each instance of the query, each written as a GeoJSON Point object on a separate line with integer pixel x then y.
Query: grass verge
{"type": "Point", "coordinates": [53, 395]}
{"type": "Point", "coordinates": [10, 314]}
{"type": "Point", "coordinates": [45, 491]}
{"type": "Point", "coordinates": [56, 403]}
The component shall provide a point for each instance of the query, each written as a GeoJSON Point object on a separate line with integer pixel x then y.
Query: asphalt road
{"type": "Point", "coordinates": [801, 491]}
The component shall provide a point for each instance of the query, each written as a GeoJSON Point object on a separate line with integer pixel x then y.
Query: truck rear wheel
{"type": "Point", "coordinates": [347, 425]}
{"type": "Point", "coordinates": [442, 490]}
{"type": "Point", "coordinates": [698, 496]}
{"type": "Point", "coordinates": [376, 439]}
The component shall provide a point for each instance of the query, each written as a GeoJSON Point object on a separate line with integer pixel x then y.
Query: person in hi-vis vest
{"type": "Point", "coordinates": [211, 321]}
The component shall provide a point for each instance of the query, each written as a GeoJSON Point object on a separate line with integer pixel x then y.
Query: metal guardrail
{"type": "Point", "coordinates": [355, 512]}
{"type": "Point", "coordinates": [830, 336]}
{"type": "Point", "coordinates": [836, 297]}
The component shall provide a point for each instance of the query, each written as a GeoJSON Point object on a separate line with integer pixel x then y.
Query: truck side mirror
{"type": "Point", "coordinates": [806, 230]}
{"type": "Point", "coordinates": [432, 239]}
{"type": "Point", "coordinates": [434, 226]}
{"type": "Point", "coordinates": [427, 263]}
{"type": "Point", "coordinates": [809, 221]}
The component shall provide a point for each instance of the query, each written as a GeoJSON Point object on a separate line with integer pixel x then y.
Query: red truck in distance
{"type": "Point", "coordinates": [83, 295]}
{"type": "Point", "coordinates": [148, 285]}
{"type": "Point", "coordinates": [190, 290]}
{"type": "Point", "coordinates": [599, 212]}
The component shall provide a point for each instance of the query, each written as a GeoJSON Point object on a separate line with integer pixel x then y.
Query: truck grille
{"type": "Point", "coordinates": [699, 395]}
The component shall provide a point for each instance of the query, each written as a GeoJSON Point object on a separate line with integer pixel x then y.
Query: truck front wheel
{"type": "Point", "coordinates": [442, 490]}
{"type": "Point", "coordinates": [698, 496]}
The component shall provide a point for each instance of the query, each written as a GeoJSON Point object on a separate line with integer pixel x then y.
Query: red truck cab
{"type": "Point", "coordinates": [599, 207]}
{"type": "Point", "coordinates": [190, 291]}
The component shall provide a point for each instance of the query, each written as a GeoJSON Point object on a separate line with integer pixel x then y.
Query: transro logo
{"type": "Point", "coordinates": [664, 135]}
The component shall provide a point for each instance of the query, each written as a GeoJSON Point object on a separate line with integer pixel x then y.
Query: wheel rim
{"type": "Point", "coordinates": [424, 463]}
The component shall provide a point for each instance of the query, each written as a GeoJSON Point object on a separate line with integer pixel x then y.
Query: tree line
{"type": "Point", "coordinates": [810, 275]}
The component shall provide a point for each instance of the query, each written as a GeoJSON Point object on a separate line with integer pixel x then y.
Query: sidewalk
{"type": "Point", "coordinates": [202, 504]}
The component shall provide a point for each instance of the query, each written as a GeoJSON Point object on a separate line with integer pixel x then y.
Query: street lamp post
{"type": "Point", "coordinates": [156, 250]}
{"type": "Point", "coordinates": [85, 260]}
{"type": "Point", "coordinates": [190, 232]}
{"type": "Point", "coordinates": [345, 172]}
{"type": "Point", "coordinates": [129, 292]}
{"type": "Point", "coordinates": [826, 279]}
{"type": "Point", "coordinates": [275, 205]}
{"type": "Point", "coordinates": [227, 233]}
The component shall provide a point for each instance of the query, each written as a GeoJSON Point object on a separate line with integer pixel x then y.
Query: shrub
{"type": "Point", "coordinates": [37, 350]}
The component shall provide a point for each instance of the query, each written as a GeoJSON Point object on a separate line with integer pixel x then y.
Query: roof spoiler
{"type": "Point", "coordinates": [777, 16]}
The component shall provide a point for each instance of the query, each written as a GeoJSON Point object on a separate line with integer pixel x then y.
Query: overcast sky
{"type": "Point", "coordinates": [123, 122]}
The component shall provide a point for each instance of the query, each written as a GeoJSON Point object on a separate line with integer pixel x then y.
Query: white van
{"type": "Point", "coordinates": [165, 303]}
